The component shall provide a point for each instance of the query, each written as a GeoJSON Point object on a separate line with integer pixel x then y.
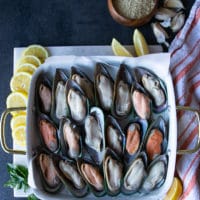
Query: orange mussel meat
{"type": "Point", "coordinates": [154, 142]}
{"type": "Point", "coordinates": [133, 138]}
{"type": "Point", "coordinates": [49, 135]}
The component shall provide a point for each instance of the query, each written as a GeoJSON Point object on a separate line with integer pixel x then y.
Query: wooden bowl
{"type": "Point", "coordinates": [127, 21]}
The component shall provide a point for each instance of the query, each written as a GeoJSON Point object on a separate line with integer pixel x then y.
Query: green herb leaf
{"type": "Point", "coordinates": [32, 197]}
{"type": "Point", "coordinates": [18, 177]}
{"type": "Point", "coordinates": [10, 168]}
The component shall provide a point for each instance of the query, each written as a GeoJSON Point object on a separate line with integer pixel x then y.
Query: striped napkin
{"type": "Point", "coordinates": [185, 70]}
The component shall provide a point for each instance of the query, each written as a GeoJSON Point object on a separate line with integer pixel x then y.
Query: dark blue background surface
{"type": "Point", "coordinates": [53, 23]}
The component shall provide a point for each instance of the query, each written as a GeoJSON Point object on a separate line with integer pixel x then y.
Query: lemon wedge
{"type": "Point", "coordinates": [29, 59]}
{"type": "Point", "coordinates": [19, 135]}
{"type": "Point", "coordinates": [15, 100]}
{"type": "Point", "coordinates": [36, 50]}
{"type": "Point", "coordinates": [119, 49]}
{"type": "Point", "coordinates": [175, 190]}
{"type": "Point", "coordinates": [18, 120]}
{"type": "Point", "coordinates": [26, 67]}
{"type": "Point", "coordinates": [20, 82]}
{"type": "Point", "coordinates": [140, 44]}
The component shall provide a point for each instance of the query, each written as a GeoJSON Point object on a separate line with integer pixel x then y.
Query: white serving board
{"type": "Point", "coordinates": [67, 50]}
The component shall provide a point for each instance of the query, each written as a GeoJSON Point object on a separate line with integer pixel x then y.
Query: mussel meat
{"type": "Point", "coordinates": [45, 97]}
{"type": "Point", "coordinates": [77, 104]}
{"type": "Point", "coordinates": [141, 103]}
{"type": "Point", "coordinates": [48, 172]}
{"type": "Point", "coordinates": [72, 139]}
{"type": "Point", "coordinates": [134, 176]}
{"type": "Point", "coordinates": [61, 103]}
{"type": "Point", "coordinates": [104, 86]}
{"type": "Point", "coordinates": [152, 85]}
{"type": "Point", "coordinates": [154, 142]}
{"type": "Point", "coordinates": [114, 139]}
{"type": "Point", "coordinates": [105, 91]}
{"type": "Point", "coordinates": [93, 133]}
{"type": "Point", "coordinates": [122, 92]}
{"type": "Point", "coordinates": [71, 173]}
{"type": "Point", "coordinates": [123, 99]}
{"type": "Point", "coordinates": [113, 170]}
{"type": "Point", "coordinates": [49, 134]}
{"type": "Point", "coordinates": [133, 138]}
{"type": "Point", "coordinates": [93, 176]}
{"type": "Point", "coordinates": [156, 174]}
{"type": "Point", "coordinates": [84, 82]}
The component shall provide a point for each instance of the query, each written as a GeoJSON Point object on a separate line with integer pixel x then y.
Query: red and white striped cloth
{"type": "Point", "coordinates": [185, 70]}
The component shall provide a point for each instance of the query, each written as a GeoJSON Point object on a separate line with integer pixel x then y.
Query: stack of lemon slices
{"type": "Point", "coordinates": [140, 46]}
{"type": "Point", "coordinates": [32, 57]}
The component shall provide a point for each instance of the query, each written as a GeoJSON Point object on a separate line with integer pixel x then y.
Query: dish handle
{"type": "Point", "coordinates": [197, 146]}
{"type": "Point", "coordinates": [2, 127]}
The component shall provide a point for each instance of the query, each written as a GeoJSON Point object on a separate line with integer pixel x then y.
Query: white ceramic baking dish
{"type": "Point", "coordinates": [158, 63]}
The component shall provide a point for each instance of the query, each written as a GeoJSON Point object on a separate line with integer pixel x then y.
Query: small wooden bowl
{"type": "Point", "coordinates": [127, 21]}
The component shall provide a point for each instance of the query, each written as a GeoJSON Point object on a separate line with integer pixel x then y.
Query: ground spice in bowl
{"type": "Point", "coordinates": [132, 12]}
{"type": "Point", "coordinates": [134, 9]}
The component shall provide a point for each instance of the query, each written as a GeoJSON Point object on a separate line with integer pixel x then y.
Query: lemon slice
{"type": "Point", "coordinates": [15, 100]}
{"type": "Point", "coordinates": [20, 82]}
{"type": "Point", "coordinates": [119, 49]}
{"type": "Point", "coordinates": [175, 190]}
{"type": "Point", "coordinates": [140, 44]}
{"type": "Point", "coordinates": [29, 59]}
{"type": "Point", "coordinates": [18, 120]}
{"type": "Point", "coordinates": [19, 136]}
{"type": "Point", "coordinates": [36, 50]}
{"type": "Point", "coordinates": [26, 67]}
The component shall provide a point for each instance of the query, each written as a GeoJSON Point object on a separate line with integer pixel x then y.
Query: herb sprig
{"type": "Point", "coordinates": [18, 179]}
